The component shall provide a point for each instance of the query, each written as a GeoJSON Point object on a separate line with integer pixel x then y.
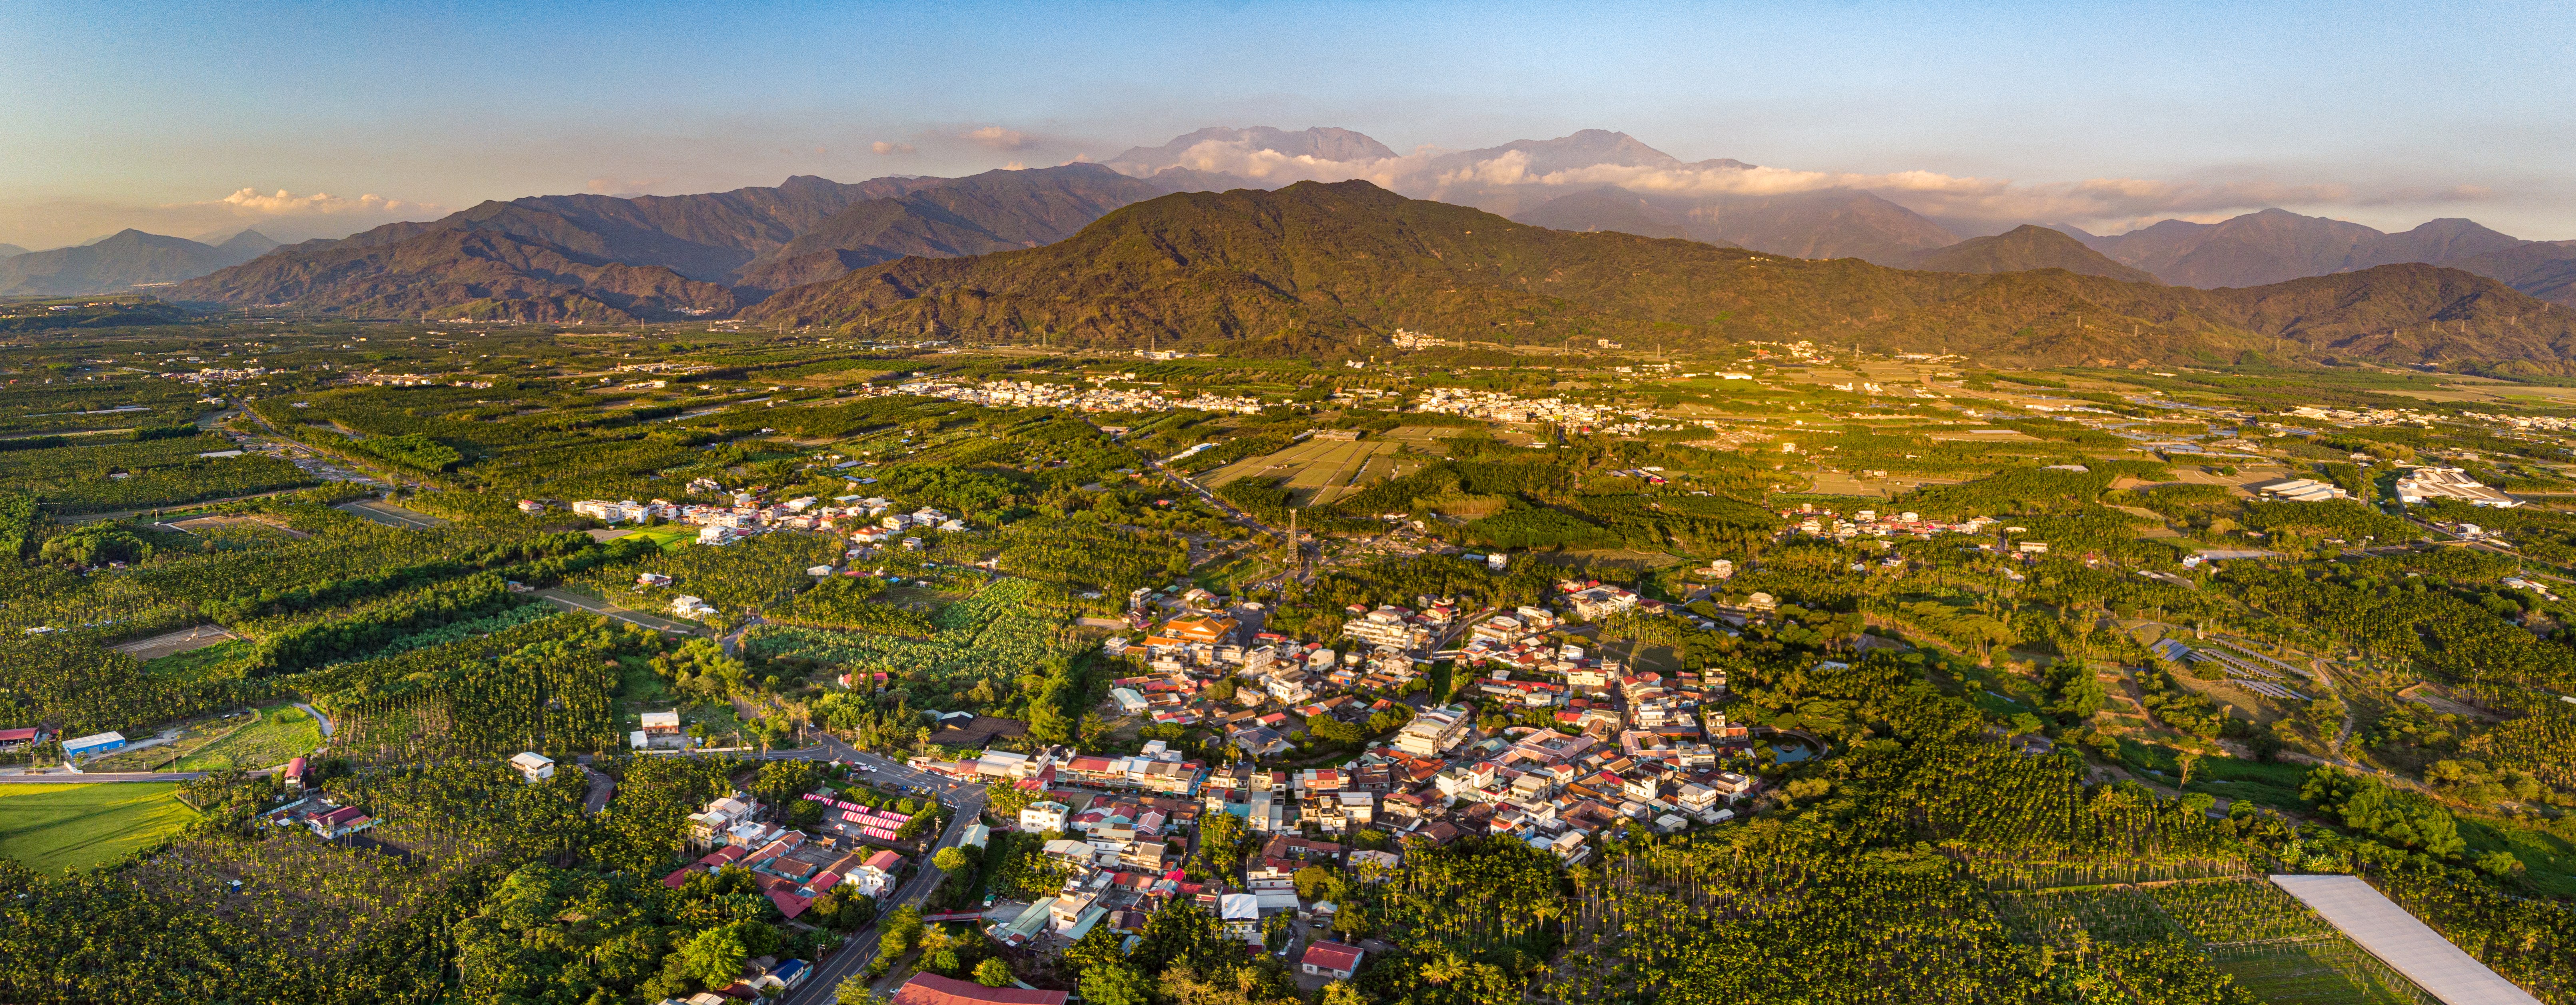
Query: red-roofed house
{"type": "Point", "coordinates": [789, 903]}
{"type": "Point", "coordinates": [932, 989]}
{"type": "Point", "coordinates": [876, 876]}
{"type": "Point", "coordinates": [1331, 959]}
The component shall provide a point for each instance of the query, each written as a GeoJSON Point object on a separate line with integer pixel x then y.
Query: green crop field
{"type": "Point", "coordinates": [70, 827]}
{"type": "Point", "coordinates": [282, 733]}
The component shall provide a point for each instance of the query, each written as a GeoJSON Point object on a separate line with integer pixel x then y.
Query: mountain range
{"type": "Point", "coordinates": [1331, 268]}
{"type": "Point", "coordinates": [120, 262]}
{"type": "Point", "coordinates": [618, 258]}
{"type": "Point", "coordinates": [1543, 182]}
{"type": "Point", "coordinates": [608, 258]}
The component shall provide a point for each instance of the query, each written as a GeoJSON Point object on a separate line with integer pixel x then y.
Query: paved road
{"type": "Point", "coordinates": [134, 776]}
{"type": "Point", "coordinates": [171, 510]}
{"type": "Point", "coordinates": [577, 602]}
{"type": "Point", "coordinates": [732, 643]}
{"type": "Point", "coordinates": [859, 949]}
{"type": "Point", "coordinates": [601, 787]}
{"type": "Point", "coordinates": [318, 718]}
{"type": "Point", "coordinates": [390, 514]}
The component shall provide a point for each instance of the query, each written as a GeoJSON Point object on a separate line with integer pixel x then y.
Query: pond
{"type": "Point", "coordinates": [1787, 749]}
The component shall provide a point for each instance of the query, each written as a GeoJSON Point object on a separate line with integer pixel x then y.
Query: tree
{"type": "Point", "coordinates": [950, 859]}
{"type": "Point", "coordinates": [1115, 984]}
{"type": "Point", "coordinates": [993, 973]}
{"type": "Point", "coordinates": [1343, 993]}
{"type": "Point", "coordinates": [714, 958]}
{"type": "Point", "coordinates": [2186, 761]}
{"type": "Point", "coordinates": [854, 990]}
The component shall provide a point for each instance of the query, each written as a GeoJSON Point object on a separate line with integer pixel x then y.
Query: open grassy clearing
{"type": "Point", "coordinates": [283, 733]}
{"type": "Point", "coordinates": [70, 827]}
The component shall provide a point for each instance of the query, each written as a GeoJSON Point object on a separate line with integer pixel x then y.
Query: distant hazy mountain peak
{"type": "Point", "coordinates": [11, 251]}
{"type": "Point", "coordinates": [2025, 248]}
{"type": "Point", "coordinates": [1323, 143]}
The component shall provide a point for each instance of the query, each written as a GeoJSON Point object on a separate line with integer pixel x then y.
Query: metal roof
{"type": "Point", "coordinates": [2405, 944]}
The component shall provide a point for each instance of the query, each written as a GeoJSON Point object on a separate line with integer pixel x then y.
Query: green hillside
{"type": "Point", "coordinates": [1337, 267]}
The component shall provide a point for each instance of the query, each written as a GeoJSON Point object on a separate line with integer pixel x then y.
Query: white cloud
{"type": "Point", "coordinates": [249, 202]}
{"type": "Point", "coordinates": [2103, 204]}
{"type": "Point", "coordinates": [996, 138]}
{"type": "Point", "coordinates": [891, 149]}
{"type": "Point", "coordinates": [278, 213]}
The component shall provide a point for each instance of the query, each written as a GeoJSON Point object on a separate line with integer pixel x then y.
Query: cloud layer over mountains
{"type": "Point", "coordinates": [1594, 158]}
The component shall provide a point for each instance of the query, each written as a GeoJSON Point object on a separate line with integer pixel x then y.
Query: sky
{"type": "Point", "coordinates": [321, 119]}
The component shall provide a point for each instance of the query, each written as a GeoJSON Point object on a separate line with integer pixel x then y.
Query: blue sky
{"type": "Point", "coordinates": [152, 114]}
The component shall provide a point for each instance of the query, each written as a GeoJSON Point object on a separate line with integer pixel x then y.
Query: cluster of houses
{"type": "Point", "coordinates": [1871, 523]}
{"type": "Point", "coordinates": [874, 519]}
{"type": "Point", "coordinates": [1032, 394]}
{"type": "Point", "coordinates": [795, 868]}
{"type": "Point", "coordinates": [1496, 406]}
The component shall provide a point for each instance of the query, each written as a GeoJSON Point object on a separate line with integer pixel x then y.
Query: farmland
{"type": "Point", "coordinates": [282, 733]}
{"type": "Point", "coordinates": [990, 637]}
{"type": "Point", "coordinates": [67, 828]}
{"type": "Point", "coordinates": [1320, 471]}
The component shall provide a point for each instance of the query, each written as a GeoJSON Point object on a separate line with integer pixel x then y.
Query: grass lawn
{"type": "Point", "coordinates": [204, 663]}
{"type": "Point", "coordinates": [671, 537]}
{"type": "Point", "coordinates": [65, 828]}
{"type": "Point", "coordinates": [2274, 785]}
{"type": "Point", "coordinates": [283, 733]}
{"type": "Point", "coordinates": [2320, 972]}
{"type": "Point", "coordinates": [2548, 859]}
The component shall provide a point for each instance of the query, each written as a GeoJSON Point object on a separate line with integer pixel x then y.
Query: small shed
{"type": "Point", "coordinates": [93, 744]}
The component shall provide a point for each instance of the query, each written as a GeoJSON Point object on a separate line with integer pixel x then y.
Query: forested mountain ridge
{"type": "Point", "coordinates": [993, 211]}
{"type": "Point", "coordinates": [2022, 249]}
{"type": "Point", "coordinates": [806, 229]}
{"type": "Point", "coordinates": [465, 273]}
{"type": "Point", "coordinates": [1321, 266]}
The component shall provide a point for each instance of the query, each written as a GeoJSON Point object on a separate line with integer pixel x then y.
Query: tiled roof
{"type": "Point", "coordinates": [932, 989]}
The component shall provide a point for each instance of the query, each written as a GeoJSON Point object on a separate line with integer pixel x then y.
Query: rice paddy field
{"type": "Point", "coordinates": [66, 828]}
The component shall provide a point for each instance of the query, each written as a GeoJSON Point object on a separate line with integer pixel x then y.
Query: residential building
{"type": "Point", "coordinates": [533, 766]}
{"type": "Point", "coordinates": [932, 989]}
{"type": "Point", "coordinates": [1331, 959]}
{"type": "Point", "coordinates": [1433, 732]}
{"type": "Point", "coordinates": [1039, 818]}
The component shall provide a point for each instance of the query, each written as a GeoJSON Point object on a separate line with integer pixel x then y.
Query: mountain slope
{"type": "Point", "coordinates": [1555, 183]}
{"type": "Point", "coordinates": [1830, 223]}
{"type": "Point", "coordinates": [993, 211]}
{"type": "Point", "coordinates": [1328, 268]}
{"type": "Point", "coordinates": [749, 235]}
{"type": "Point", "coordinates": [1833, 223]}
{"type": "Point", "coordinates": [1606, 208]}
{"type": "Point", "coordinates": [120, 262]}
{"type": "Point", "coordinates": [2544, 269]}
{"type": "Point", "coordinates": [2023, 249]}
{"type": "Point", "coordinates": [2434, 242]}
{"type": "Point", "coordinates": [11, 251]}
{"type": "Point", "coordinates": [465, 273]}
